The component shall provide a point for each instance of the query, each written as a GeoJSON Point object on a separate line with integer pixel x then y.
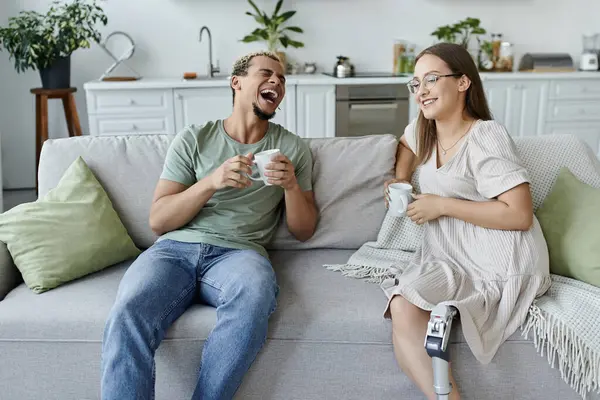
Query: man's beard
{"type": "Point", "coordinates": [260, 113]}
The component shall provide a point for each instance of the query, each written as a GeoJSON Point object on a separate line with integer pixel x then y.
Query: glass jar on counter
{"type": "Point", "coordinates": [398, 56]}
{"type": "Point", "coordinates": [404, 57]}
{"type": "Point", "coordinates": [505, 57]}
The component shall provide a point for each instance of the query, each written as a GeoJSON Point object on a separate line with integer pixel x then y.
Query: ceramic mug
{"type": "Point", "coordinates": [400, 196]}
{"type": "Point", "coordinates": [260, 161]}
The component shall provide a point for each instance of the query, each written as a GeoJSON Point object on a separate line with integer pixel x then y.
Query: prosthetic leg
{"type": "Point", "coordinates": [436, 342]}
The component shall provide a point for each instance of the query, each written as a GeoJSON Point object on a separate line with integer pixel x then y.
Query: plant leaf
{"type": "Point", "coordinates": [250, 38]}
{"type": "Point", "coordinates": [284, 41]}
{"type": "Point", "coordinates": [266, 20]}
{"type": "Point", "coordinates": [285, 16]}
{"type": "Point", "coordinates": [294, 28]}
{"type": "Point", "coordinates": [277, 8]}
{"type": "Point", "coordinates": [257, 18]}
{"type": "Point", "coordinates": [255, 7]}
{"type": "Point", "coordinates": [260, 33]}
{"type": "Point", "coordinates": [296, 44]}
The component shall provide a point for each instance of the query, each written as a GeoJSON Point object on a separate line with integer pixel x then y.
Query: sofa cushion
{"type": "Point", "coordinates": [570, 220]}
{"type": "Point", "coordinates": [314, 304]}
{"type": "Point", "coordinates": [348, 178]}
{"type": "Point", "coordinates": [70, 232]}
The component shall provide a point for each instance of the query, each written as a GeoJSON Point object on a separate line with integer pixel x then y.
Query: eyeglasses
{"type": "Point", "coordinates": [429, 81]}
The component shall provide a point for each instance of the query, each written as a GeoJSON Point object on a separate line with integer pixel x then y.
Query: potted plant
{"type": "Point", "coordinates": [272, 30]}
{"type": "Point", "coordinates": [45, 42]}
{"type": "Point", "coordinates": [460, 32]}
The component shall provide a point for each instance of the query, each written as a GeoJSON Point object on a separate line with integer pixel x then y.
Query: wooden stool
{"type": "Point", "coordinates": [41, 111]}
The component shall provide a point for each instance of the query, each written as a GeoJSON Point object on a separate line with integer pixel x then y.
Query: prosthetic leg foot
{"type": "Point", "coordinates": [436, 342]}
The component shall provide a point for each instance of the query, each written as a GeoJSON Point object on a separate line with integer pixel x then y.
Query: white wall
{"type": "Point", "coordinates": [166, 32]}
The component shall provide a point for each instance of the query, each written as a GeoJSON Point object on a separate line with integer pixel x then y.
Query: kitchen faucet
{"type": "Point", "coordinates": [211, 69]}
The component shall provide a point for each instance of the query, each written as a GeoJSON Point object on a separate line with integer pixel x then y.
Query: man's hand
{"type": "Point", "coordinates": [230, 173]}
{"type": "Point", "coordinates": [425, 208]}
{"type": "Point", "coordinates": [281, 172]}
{"type": "Point", "coordinates": [386, 192]}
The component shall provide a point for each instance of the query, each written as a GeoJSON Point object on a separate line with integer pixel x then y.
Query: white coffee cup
{"type": "Point", "coordinates": [400, 196]}
{"type": "Point", "coordinates": [260, 162]}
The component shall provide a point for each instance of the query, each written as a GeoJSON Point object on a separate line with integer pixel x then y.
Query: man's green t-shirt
{"type": "Point", "coordinates": [235, 218]}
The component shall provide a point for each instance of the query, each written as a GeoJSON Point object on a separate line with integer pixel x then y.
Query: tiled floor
{"type": "Point", "coordinates": [15, 197]}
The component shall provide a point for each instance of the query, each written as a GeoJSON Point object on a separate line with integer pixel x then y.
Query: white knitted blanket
{"type": "Point", "coordinates": [565, 322]}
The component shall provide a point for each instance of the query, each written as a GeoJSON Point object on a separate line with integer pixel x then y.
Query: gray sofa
{"type": "Point", "coordinates": [328, 338]}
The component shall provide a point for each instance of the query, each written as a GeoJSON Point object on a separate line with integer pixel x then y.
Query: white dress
{"type": "Point", "coordinates": [491, 276]}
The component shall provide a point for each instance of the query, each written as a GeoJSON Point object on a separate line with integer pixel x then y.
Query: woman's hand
{"type": "Point", "coordinates": [386, 192]}
{"type": "Point", "coordinates": [425, 208]}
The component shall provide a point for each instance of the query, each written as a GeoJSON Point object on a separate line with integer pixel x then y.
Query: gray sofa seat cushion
{"type": "Point", "coordinates": [314, 304]}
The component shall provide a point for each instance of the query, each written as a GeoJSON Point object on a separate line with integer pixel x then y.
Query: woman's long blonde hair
{"type": "Point", "coordinates": [460, 62]}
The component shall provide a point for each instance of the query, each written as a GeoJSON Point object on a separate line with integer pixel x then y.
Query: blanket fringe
{"type": "Point", "coordinates": [373, 274]}
{"type": "Point", "coordinates": [579, 365]}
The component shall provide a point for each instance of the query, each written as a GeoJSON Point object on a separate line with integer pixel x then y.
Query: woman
{"type": "Point", "coordinates": [483, 250]}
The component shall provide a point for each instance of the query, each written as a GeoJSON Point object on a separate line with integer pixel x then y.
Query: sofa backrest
{"type": "Point", "coordinates": [348, 177]}
{"type": "Point", "coordinates": [544, 156]}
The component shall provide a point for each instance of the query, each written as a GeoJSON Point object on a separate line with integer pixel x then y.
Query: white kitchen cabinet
{"type": "Point", "coordinates": [315, 111]}
{"type": "Point", "coordinates": [520, 105]}
{"type": "Point", "coordinates": [120, 124]}
{"type": "Point", "coordinates": [197, 106]}
{"type": "Point", "coordinates": [142, 101]}
{"type": "Point", "coordinates": [200, 105]}
{"type": "Point", "coordinates": [130, 112]}
{"type": "Point", "coordinates": [286, 115]}
{"type": "Point", "coordinates": [575, 89]}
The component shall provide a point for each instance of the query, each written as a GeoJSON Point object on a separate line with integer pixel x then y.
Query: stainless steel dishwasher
{"type": "Point", "coordinates": [371, 109]}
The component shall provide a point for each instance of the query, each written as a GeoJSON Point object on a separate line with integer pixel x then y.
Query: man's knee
{"type": "Point", "coordinates": [124, 309]}
{"type": "Point", "coordinates": [256, 288]}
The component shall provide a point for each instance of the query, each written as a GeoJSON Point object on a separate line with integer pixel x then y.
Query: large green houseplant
{"type": "Point", "coordinates": [45, 42]}
{"type": "Point", "coordinates": [271, 29]}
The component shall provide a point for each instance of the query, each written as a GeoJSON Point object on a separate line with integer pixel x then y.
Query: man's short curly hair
{"type": "Point", "coordinates": [241, 65]}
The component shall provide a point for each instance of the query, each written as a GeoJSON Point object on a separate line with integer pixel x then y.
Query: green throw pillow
{"type": "Point", "coordinates": [570, 220]}
{"type": "Point", "coordinates": [69, 233]}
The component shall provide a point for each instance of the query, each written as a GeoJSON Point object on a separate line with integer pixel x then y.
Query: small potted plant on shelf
{"type": "Point", "coordinates": [461, 33]}
{"type": "Point", "coordinates": [45, 42]}
{"type": "Point", "coordinates": [272, 30]}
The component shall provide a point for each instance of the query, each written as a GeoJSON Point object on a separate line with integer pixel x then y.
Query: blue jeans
{"type": "Point", "coordinates": [158, 287]}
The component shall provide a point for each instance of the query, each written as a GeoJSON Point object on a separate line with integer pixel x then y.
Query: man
{"type": "Point", "coordinates": [213, 224]}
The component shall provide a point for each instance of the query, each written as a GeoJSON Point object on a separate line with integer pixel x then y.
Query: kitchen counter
{"type": "Point", "coordinates": [319, 79]}
{"type": "Point", "coordinates": [223, 81]}
{"type": "Point", "coordinates": [527, 103]}
{"type": "Point", "coordinates": [540, 75]}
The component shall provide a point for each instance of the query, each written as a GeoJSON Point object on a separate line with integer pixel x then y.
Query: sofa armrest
{"type": "Point", "coordinates": [10, 276]}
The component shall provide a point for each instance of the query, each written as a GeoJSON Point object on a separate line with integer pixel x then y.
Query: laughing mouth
{"type": "Point", "coordinates": [427, 102]}
{"type": "Point", "coordinates": [269, 95]}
